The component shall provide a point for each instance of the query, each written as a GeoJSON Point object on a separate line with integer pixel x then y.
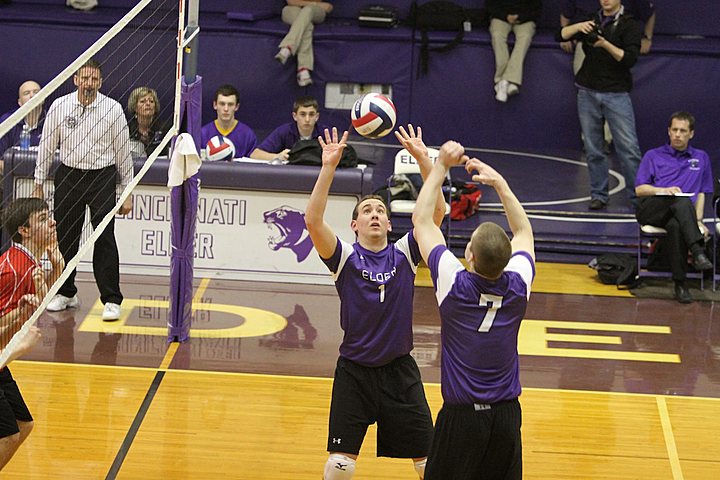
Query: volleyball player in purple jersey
{"type": "Point", "coordinates": [477, 432]}
{"type": "Point", "coordinates": [376, 379]}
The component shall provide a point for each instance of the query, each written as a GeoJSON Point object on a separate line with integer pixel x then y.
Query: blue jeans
{"type": "Point", "coordinates": [594, 108]}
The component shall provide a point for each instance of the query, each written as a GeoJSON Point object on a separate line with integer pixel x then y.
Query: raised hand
{"type": "Point", "coordinates": [332, 147]}
{"type": "Point", "coordinates": [485, 173]}
{"type": "Point", "coordinates": [451, 154]}
{"type": "Point", "coordinates": [412, 143]}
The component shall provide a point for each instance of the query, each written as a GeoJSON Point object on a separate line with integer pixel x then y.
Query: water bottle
{"type": "Point", "coordinates": [25, 138]}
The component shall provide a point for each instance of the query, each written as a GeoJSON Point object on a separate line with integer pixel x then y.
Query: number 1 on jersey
{"type": "Point", "coordinates": [493, 304]}
{"type": "Point", "coordinates": [382, 292]}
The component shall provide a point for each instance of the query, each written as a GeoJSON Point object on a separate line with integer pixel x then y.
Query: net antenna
{"type": "Point", "coordinates": [142, 48]}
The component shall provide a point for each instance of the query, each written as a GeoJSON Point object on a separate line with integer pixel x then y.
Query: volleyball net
{"type": "Point", "coordinates": [90, 135]}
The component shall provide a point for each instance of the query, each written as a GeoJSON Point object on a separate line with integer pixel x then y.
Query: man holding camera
{"type": "Point", "coordinates": [611, 42]}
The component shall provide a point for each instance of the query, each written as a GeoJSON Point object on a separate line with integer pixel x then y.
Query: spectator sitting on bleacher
{"type": "Point", "coordinates": [226, 104]}
{"type": "Point", "coordinates": [611, 41]}
{"type": "Point", "coordinates": [517, 16]}
{"type": "Point", "coordinates": [277, 145]}
{"type": "Point", "coordinates": [146, 129]}
{"type": "Point", "coordinates": [34, 120]}
{"type": "Point", "coordinates": [301, 15]}
{"type": "Point", "coordinates": [665, 173]}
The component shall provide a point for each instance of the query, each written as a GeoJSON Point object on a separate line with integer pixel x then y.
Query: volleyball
{"type": "Point", "coordinates": [373, 115]}
{"type": "Point", "coordinates": [219, 148]}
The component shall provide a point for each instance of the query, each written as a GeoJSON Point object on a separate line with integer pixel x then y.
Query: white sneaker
{"type": "Point", "coordinates": [283, 55]}
{"type": "Point", "coordinates": [111, 312]}
{"type": "Point", "coordinates": [61, 302]}
{"type": "Point", "coordinates": [501, 91]}
{"type": "Point", "coordinates": [512, 89]}
{"type": "Point", "coordinates": [303, 77]}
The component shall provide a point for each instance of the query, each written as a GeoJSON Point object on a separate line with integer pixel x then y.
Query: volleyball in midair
{"type": "Point", "coordinates": [373, 115]}
{"type": "Point", "coordinates": [219, 148]}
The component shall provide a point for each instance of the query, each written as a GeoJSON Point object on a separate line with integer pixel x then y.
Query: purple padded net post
{"type": "Point", "coordinates": [183, 206]}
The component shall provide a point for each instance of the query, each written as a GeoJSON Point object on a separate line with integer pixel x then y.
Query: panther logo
{"type": "Point", "coordinates": [290, 222]}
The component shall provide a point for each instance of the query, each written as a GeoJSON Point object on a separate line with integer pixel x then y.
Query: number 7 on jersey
{"type": "Point", "coordinates": [493, 304]}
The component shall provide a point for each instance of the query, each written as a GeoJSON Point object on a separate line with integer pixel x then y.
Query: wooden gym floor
{"type": "Point", "coordinates": [614, 387]}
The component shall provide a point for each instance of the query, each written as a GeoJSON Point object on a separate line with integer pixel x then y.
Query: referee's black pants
{"type": "Point", "coordinates": [74, 190]}
{"type": "Point", "coordinates": [677, 216]}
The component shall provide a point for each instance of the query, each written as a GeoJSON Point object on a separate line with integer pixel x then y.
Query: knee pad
{"type": "Point", "coordinates": [420, 467]}
{"type": "Point", "coordinates": [339, 467]}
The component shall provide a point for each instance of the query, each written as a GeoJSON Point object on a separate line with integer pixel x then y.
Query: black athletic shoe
{"type": "Point", "coordinates": [682, 294]}
{"type": "Point", "coordinates": [596, 204]}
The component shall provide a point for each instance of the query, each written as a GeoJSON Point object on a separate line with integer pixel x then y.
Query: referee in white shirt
{"type": "Point", "coordinates": [91, 132]}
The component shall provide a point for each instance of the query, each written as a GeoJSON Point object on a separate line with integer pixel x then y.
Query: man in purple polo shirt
{"type": "Point", "coordinates": [304, 126]}
{"type": "Point", "coordinates": [477, 432]}
{"type": "Point", "coordinates": [226, 104]}
{"type": "Point", "coordinates": [376, 379]}
{"type": "Point", "coordinates": [665, 174]}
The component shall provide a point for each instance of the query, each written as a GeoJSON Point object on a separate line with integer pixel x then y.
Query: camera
{"type": "Point", "coordinates": [592, 37]}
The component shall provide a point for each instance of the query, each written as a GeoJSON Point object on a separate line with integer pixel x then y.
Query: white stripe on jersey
{"type": "Point", "coordinates": [347, 250]}
{"type": "Point", "coordinates": [404, 246]}
{"type": "Point", "coordinates": [448, 268]}
{"type": "Point", "coordinates": [520, 264]}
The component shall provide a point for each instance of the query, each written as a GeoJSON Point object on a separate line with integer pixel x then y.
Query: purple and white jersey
{"type": "Point", "coordinates": [376, 299]}
{"type": "Point", "coordinates": [480, 322]}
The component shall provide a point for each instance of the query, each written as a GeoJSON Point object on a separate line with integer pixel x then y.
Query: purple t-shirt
{"type": "Point", "coordinates": [241, 136]}
{"type": "Point", "coordinates": [376, 299]}
{"type": "Point", "coordinates": [666, 167]}
{"type": "Point", "coordinates": [480, 321]}
{"type": "Point", "coordinates": [285, 136]}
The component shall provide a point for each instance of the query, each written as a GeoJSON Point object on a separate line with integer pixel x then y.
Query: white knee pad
{"type": "Point", "coordinates": [420, 467]}
{"type": "Point", "coordinates": [339, 467]}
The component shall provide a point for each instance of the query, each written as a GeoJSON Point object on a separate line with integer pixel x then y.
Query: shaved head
{"type": "Point", "coordinates": [27, 90]}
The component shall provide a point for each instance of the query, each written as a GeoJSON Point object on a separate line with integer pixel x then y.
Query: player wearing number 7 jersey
{"type": "Point", "coordinates": [376, 379]}
{"type": "Point", "coordinates": [477, 433]}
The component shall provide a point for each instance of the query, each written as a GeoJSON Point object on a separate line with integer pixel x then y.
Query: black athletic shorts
{"type": "Point", "coordinates": [391, 395]}
{"type": "Point", "coordinates": [478, 442]}
{"type": "Point", "coordinates": [12, 405]}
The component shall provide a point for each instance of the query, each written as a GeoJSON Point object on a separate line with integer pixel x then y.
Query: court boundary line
{"type": "Point", "coordinates": [669, 437]}
{"type": "Point", "coordinates": [135, 426]}
{"type": "Point", "coordinates": [330, 379]}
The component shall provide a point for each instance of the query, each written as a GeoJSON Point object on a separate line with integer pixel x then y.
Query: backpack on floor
{"type": "Point", "coordinates": [616, 269]}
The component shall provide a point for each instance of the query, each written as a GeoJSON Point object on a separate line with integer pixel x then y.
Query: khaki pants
{"type": "Point", "coordinates": [510, 66]}
{"type": "Point", "coordinates": [299, 38]}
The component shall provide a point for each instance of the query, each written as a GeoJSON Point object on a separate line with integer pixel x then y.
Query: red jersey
{"type": "Point", "coordinates": [16, 267]}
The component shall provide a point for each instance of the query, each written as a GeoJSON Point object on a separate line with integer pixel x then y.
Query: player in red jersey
{"type": "Point", "coordinates": [23, 284]}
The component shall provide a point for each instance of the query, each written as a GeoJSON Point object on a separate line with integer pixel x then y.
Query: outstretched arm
{"type": "Point", "coordinates": [520, 227]}
{"type": "Point", "coordinates": [321, 234]}
{"type": "Point", "coordinates": [427, 232]}
{"type": "Point", "coordinates": [416, 147]}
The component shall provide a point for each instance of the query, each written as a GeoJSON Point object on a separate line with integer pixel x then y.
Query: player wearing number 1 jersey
{"type": "Point", "coordinates": [376, 379]}
{"type": "Point", "coordinates": [477, 434]}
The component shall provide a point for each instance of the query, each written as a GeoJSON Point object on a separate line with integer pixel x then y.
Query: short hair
{"type": "Point", "coordinates": [305, 101]}
{"type": "Point", "coordinates": [681, 115]}
{"type": "Point", "coordinates": [18, 213]}
{"type": "Point", "coordinates": [491, 250]}
{"type": "Point", "coordinates": [227, 91]}
{"type": "Point", "coordinates": [139, 93]}
{"type": "Point", "coordinates": [92, 63]}
{"type": "Point", "coordinates": [367, 197]}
